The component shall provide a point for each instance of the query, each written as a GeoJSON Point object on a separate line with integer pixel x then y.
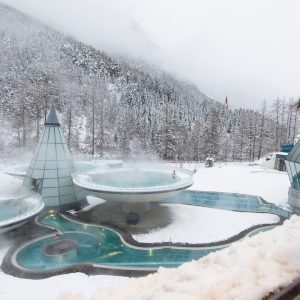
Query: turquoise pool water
{"type": "Point", "coordinates": [228, 201]}
{"type": "Point", "coordinates": [113, 251]}
{"type": "Point", "coordinates": [10, 209]}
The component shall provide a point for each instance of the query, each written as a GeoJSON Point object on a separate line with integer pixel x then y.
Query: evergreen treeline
{"type": "Point", "coordinates": [109, 107]}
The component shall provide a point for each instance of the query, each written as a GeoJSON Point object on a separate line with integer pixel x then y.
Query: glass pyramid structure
{"type": "Point", "coordinates": [292, 163]}
{"type": "Point", "coordinates": [49, 172]}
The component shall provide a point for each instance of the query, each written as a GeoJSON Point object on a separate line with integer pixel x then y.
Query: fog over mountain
{"type": "Point", "coordinates": [247, 50]}
{"type": "Point", "coordinates": [119, 108]}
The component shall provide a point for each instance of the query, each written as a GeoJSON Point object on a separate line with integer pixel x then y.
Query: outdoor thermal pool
{"type": "Point", "coordinates": [108, 247]}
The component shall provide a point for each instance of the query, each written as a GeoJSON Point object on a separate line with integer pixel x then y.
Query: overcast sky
{"type": "Point", "coordinates": [248, 50]}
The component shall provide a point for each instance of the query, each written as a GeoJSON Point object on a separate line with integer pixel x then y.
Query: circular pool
{"type": "Point", "coordinates": [16, 211]}
{"type": "Point", "coordinates": [135, 184]}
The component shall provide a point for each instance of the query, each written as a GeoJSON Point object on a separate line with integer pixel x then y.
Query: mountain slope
{"type": "Point", "coordinates": [107, 106]}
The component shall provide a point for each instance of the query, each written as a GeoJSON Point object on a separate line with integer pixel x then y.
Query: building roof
{"type": "Point", "coordinates": [52, 118]}
{"type": "Point", "coordinates": [294, 154]}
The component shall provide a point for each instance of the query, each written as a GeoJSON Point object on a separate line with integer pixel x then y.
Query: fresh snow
{"type": "Point", "coordinates": [271, 185]}
{"type": "Point", "coordinates": [192, 224]}
{"type": "Point", "coordinates": [231, 177]}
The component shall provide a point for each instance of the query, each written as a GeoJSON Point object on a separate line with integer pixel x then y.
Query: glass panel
{"type": "Point", "coordinates": [57, 136]}
{"type": "Point", "coordinates": [63, 164]}
{"type": "Point", "coordinates": [64, 173]}
{"type": "Point", "coordinates": [295, 152]}
{"type": "Point", "coordinates": [60, 152]}
{"type": "Point", "coordinates": [294, 175]}
{"type": "Point", "coordinates": [44, 139]}
{"type": "Point", "coordinates": [67, 199]}
{"type": "Point", "coordinates": [42, 152]}
{"type": "Point", "coordinates": [50, 192]}
{"type": "Point", "coordinates": [50, 174]}
{"type": "Point", "coordinates": [40, 165]}
{"type": "Point", "coordinates": [51, 139]}
{"type": "Point", "coordinates": [66, 190]}
{"type": "Point", "coordinates": [50, 183]}
{"type": "Point", "coordinates": [38, 174]}
{"type": "Point", "coordinates": [297, 158]}
{"type": "Point", "coordinates": [65, 181]}
{"type": "Point", "coordinates": [288, 169]}
{"type": "Point", "coordinates": [297, 165]}
{"type": "Point", "coordinates": [51, 201]}
{"type": "Point", "coordinates": [51, 165]}
{"type": "Point", "coordinates": [51, 152]}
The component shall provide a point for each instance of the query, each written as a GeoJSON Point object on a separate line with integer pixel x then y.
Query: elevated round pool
{"type": "Point", "coordinates": [135, 184]}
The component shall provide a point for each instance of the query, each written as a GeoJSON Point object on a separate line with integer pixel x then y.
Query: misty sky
{"type": "Point", "coordinates": [248, 50]}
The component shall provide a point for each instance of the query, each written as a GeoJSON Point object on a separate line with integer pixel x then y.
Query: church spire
{"type": "Point", "coordinates": [226, 102]}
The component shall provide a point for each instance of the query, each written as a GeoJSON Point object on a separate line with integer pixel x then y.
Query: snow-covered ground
{"type": "Point", "coordinates": [204, 225]}
{"type": "Point", "coordinates": [271, 185]}
{"type": "Point", "coordinates": [241, 178]}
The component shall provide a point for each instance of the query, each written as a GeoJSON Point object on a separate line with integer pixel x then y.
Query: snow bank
{"type": "Point", "coordinates": [247, 270]}
{"type": "Point", "coordinates": [191, 224]}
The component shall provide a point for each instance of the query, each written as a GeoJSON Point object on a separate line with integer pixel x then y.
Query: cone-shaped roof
{"type": "Point", "coordinates": [52, 118]}
{"type": "Point", "coordinates": [50, 169]}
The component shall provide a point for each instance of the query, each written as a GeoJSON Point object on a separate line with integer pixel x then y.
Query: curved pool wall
{"type": "Point", "coordinates": [115, 252]}
{"type": "Point", "coordinates": [134, 184]}
{"type": "Point", "coordinates": [15, 212]}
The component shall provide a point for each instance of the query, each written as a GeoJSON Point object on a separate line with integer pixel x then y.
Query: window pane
{"type": "Point", "coordinates": [50, 174]}
{"type": "Point", "coordinates": [51, 139]}
{"type": "Point", "coordinates": [57, 136]}
{"type": "Point", "coordinates": [44, 139]}
{"type": "Point", "coordinates": [42, 152]}
{"type": "Point", "coordinates": [66, 190]}
{"type": "Point", "coordinates": [50, 183]}
{"type": "Point", "coordinates": [63, 173]}
{"type": "Point", "coordinates": [50, 192]}
{"type": "Point", "coordinates": [51, 165]}
{"type": "Point", "coordinates": [51, 152]}
{"type": "Point", "coordinates": [65, 181]}
{"type": "Point", "coordinates": [52, 201]}
{"type": "Point", "coordinates": [60, 152]}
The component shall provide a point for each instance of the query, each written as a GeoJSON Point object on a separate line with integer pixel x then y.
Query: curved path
{"type": "Point", "coordinates": [113, 249]}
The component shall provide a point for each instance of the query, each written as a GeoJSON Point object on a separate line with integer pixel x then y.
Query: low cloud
{"type": "Point", "coordinates": [247, 51]}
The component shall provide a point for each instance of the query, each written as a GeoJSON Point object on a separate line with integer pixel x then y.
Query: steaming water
{"type": "Point", "coordinates": [134, 178]}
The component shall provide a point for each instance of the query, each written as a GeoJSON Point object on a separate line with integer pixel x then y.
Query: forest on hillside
{"type": "Point", "coordinates": [112, 108]}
